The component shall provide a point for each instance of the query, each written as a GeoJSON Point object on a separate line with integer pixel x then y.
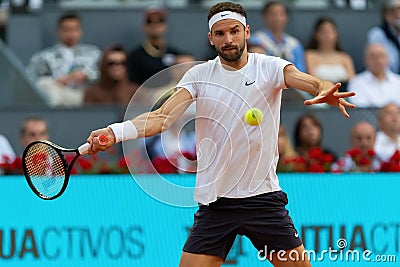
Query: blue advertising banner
{"type": "Point", "coordinates": [111, 220]}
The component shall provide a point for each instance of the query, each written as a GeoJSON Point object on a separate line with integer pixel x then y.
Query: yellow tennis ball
{"type": "Point", "coordinates": [253, 116]}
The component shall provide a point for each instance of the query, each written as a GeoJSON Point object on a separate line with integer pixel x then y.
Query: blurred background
{"type": "Point", "coordinates": [30, 26]}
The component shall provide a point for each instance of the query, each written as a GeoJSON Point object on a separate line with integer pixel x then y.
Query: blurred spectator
{"type": "Point", "coordinates": [63, 71]}
{"type": "Point", "coordinates": [361, 156]}
{"type": "Point", "coordinates": [285, 146]}
{"type": "Point", "coordinates": [285, 149]}
{"type": "Point", "coordinates": [154, 54]}
{"type": "Point", "coordinates": [176, 147]}
{"type": "Point", "coordinates": [273, 40]}
{"type": "Point", "coordinates": [211, 53]}
{"type": "Point", "coordinates": [308, 135]}
{"type": "Point", "coordinates": [388, 136]}
{"type": "Point", "coordinates": [182, 64]}
{"type": "Point", "coordinates": [33, 129]}
{"type": "Point", "coordinates": [377, 85]}
{"type": "Point", "coordinates": [113, 86]}
{"type": "Point", "coordinates": [6, 151]}
{"type": "Point", "coordinates": [354, 4]}
{"type": "Point", "coordinates": [324, 57]}
{"type": "Point", "coordinates": [9, 163]}
{"type": "Point", "coordinates": [4, 5]}
{"type": "Point", "coordinates": [388, 33]}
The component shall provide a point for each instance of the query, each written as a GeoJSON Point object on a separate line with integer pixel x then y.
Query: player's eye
{"type": "Point", "coordinates": [236, 31]}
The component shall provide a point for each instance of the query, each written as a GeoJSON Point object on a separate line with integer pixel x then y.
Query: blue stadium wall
{"type": "Point", "coordinates": [120, 221]}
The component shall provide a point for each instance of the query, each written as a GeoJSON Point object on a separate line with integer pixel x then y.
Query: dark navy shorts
{"type": "Point", "coordinates": [262, 218]}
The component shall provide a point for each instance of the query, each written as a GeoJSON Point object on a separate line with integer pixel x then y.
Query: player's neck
{"type": "Point", "coordinates": [236, 65]}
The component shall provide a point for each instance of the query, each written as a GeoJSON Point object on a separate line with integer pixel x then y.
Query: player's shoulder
{"type": "Point", "coordinates": [260, 58]}
{"type": "Point", "coordinates": [205, 66]}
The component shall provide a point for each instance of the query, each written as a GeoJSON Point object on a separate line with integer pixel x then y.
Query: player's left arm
{"type": "Point", "coordinates": [324, 91]}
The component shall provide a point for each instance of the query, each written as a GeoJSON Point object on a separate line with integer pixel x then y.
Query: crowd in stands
{"type": "Point", "coordinates": [370, 150]}
{"type": "Point", "coordinates": [71, 74]}
{"type": "Point", "coordinates": [63, 72]}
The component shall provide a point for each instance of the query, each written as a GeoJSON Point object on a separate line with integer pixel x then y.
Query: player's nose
{"type": "Point", "coordinates": [228, 39]}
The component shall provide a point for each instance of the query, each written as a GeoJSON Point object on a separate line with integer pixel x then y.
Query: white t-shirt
{"type": "Point", "coordinates": [371, 92]}
{"type": "Point", "coordinates": [5, 150]}
{"type": "Point", "coordinates": [236, 160]}
{"type": "Point", "coordinates": [385, 147]}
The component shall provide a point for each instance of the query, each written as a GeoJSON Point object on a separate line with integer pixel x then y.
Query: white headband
{"type": "Point", "coordinates": [226, 15]}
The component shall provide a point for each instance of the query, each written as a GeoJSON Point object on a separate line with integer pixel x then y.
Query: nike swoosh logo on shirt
{"type": "Point", "coordinates": [249, 83]}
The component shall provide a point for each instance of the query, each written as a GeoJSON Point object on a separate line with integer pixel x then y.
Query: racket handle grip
{"type": "Point", "coordinates": [83, 149]}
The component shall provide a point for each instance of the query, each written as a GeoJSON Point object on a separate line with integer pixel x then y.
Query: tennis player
{"type": "Point", "coordinates": [236, 185]}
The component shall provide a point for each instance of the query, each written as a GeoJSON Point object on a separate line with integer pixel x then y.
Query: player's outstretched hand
{"type": "Point", "coordinates": [96, 144]}
{"type": "Point", "coordinates": [331, 96]}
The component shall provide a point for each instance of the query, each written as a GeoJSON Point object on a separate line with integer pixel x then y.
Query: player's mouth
{"type": "Point", "coordinates": [229, 48]}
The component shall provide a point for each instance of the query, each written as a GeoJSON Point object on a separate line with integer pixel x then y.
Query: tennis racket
{"type": "Point", "coordinates": [45, 168]}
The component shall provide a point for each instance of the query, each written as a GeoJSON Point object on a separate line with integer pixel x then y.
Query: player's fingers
{"type": "Point", "coordinates": [333, 90]}
{"type": "Point", "coordinates": [94, 146]}
{"type": "Point", "coordinates": [100, 145]}
{"type": "Point", "coordinates": [90, 138]}
{"type": "Point", "coordinates": [344, 94]}
{"type": "Point", "coordinates": [347, 104]}
{"type": "Point", "coordinates": [315, 100]}
{"type": "Point", "coordinates": [92, 135]}
{"type": "Point", "coordinates": [335, 87]}
{"type": "Point", "coordinates": [343, 110]}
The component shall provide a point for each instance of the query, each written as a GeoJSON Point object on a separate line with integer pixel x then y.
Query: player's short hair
{"type": "Point", "coordinates": [68, 16]}
{"type": "Point", "coordinates": [270, 4]}
{"type": "Point", "coordinates": [226, 6]}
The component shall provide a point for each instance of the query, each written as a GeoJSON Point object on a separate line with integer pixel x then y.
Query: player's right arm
{"type": "Point", "coordinates": [146, 124]}
{"type": "Point", "coordinates": [155, 122]}
{"type": "Point", "coordinates": [324, 91]}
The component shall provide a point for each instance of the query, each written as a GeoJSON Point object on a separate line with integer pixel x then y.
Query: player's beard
{"type": "Point", "coordinates": [231, 56]}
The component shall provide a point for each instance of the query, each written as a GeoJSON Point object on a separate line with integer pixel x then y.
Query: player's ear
{"type": "Point", "coordinates": [210, 38]}
{"type": "Point", "coordinates": [247, 32]}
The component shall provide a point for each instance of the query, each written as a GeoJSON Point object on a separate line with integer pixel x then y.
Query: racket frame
{"type": "Point", "coordinates": [68, 167]}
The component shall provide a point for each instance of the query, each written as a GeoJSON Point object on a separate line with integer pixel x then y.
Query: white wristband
{"type": "Point", "coordinates": [124, 131]}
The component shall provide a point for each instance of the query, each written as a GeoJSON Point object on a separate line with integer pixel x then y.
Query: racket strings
{"type": "Point", "coordinates": [45, 168]}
